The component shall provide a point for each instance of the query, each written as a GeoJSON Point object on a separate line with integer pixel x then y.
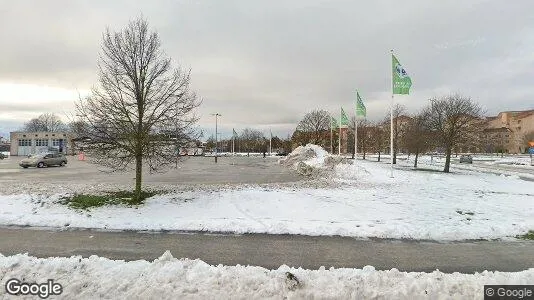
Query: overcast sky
{"type": "Point", "coordinates": [264, 64]}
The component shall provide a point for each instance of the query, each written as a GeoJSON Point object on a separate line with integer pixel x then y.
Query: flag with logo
{"type": "Point", "coordinates": [333, 123]}
{"type": "Point", "coordinates": [344, 120]}
{"type": "Point", "coordinates": [401, 80]}
{"type": "Point", "coordinates": [361, 111]}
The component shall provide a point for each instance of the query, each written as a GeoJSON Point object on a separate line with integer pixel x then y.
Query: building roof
{"type": "Point", "coordinates": [524, 114]}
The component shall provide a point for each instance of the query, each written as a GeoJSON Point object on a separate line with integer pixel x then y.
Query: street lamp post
{"type": "Point", "coordinates": [216, 137]}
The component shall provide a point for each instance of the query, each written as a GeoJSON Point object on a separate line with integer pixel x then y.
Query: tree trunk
{"type": "Point", "coordinates": [416, 156]}
{"type": "Point", "coordinates": [379, 156]}
{"type": "Point", "coordinates": [448, 152]}
{"type": "Point", "coordinates": [138, 178]}
{"type": "Point", "coordinates": [394, 157]}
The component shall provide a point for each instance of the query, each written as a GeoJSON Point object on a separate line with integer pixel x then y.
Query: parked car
{"type": "Point", "coordinates": [44, 160]}
{"type": "Point", "coordinates": [466, 159]}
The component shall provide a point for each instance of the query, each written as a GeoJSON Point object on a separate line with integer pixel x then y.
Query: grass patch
{"type": "Point", "coordinates": [84, 201]}
{"type": "Point", "coordinates": [528, 236]}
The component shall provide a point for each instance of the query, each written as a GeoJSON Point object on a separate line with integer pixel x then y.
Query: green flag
{"type": "Point", "coordinates": [401, 80]}
{"type": "Point", "coordinates": [333, 123]}
{"type": "Point", "coordinates": [361, 111]}
{"type": "Point", "coordinates": [343, 121]}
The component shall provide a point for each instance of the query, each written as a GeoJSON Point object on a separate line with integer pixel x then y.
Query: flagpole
{"type": "Point", "coordinates": [391, 121]}
{"type": "Point", "coordinates": [356, 136]}
{"type": "Point", "coordinates": [339, 138]}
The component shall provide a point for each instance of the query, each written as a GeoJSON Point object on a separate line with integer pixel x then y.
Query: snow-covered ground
{"type": "Point", "coordinates": [171, 278]}
{"type": "Point", "coordinates": [516, 166]}
{"type": "Point", "coordinates": [361, 201]}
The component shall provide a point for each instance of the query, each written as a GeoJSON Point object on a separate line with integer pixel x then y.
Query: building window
{"type": "Point", "coordinates": [41, 142]}
{"type": "Point", "coordinates": [507, 135]}
{"type": "Point", "coordinates": [25, 143]}
{"type": "Point", "coordinates": [519, 128]}
{"type": "Point", "coordinates": [518, 121]}
{"type": "Point", "coordinates": [23, 135]}
{"type": "Point", "coordinates": [56, 142]}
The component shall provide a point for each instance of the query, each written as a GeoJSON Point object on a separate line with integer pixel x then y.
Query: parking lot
{"type": "Point", "coordinates": [192, 170]}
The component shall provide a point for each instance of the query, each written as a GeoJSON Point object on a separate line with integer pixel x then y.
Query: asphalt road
{"type": "Point", "coordinates": [192, 170]}
{"type": "Point", "coordinates": [271, 251]}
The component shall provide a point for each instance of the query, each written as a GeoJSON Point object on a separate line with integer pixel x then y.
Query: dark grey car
{"type": "Point", "coordinates": [466, 159]}
{"type": "Point", "coordinates": [44, 160]}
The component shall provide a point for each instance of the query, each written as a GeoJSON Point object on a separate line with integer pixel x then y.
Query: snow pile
{"type": "Point", "coordinates": [352, 171]}
{"type": "Point", "coordinates": [310, 159]}
{"type": "Point", "coordinates": [171, 278]}
{"type": "Point", "coordinates": [525, 161]}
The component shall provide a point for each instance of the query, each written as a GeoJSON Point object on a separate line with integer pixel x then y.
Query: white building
{"type": "Point", "coordinates": [25, 143]}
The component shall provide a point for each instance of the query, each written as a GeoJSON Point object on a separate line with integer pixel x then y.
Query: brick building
{"type": "Point", "coordinates": [508, 131]}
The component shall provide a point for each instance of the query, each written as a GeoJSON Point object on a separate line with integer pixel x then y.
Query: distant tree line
{"type": "Point", "coordinates": [449, 122]}
{"type": "Point", "coordinates": [251, 140]}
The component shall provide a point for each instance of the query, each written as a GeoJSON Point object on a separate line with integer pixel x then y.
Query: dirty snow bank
{"type": "Point", "coordinates": [171, 278]}
{"type": "Point", "coordinates": [310, 159]}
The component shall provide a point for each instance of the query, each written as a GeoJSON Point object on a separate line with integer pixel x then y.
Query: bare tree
{"type": "Point", "coordinates": [140, 106]}
{"type": "Point", "coordinates": [210, 143]}
{"type": "Point", "coordinates": [452, 119]}
{"type": "Point", "coordinates": [46, 122]}
{"type": "Point", "coordinates": [314, 128]}
{"type": "Point", "coordinates": [399, 112]}
{"type": "Point", "coordinates": [251, 140]}
{"type": "Point", "coordinates": [417, 137]}
{"type": "Point", "coordinates": [378, 138]}
{"type": "Point", "coordinates": [364, 136]}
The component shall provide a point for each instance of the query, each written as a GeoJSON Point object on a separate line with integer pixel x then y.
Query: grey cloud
{"type": "Point", "coordinates": [264, 63]}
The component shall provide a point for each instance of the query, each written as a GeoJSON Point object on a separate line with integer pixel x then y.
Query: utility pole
{"type": "Point", "coordinates": [216, 137]}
